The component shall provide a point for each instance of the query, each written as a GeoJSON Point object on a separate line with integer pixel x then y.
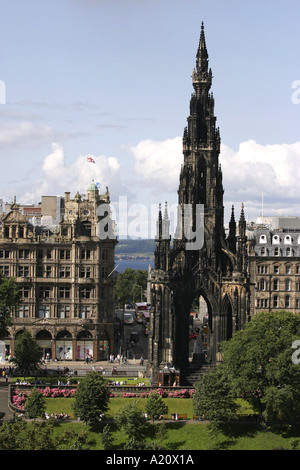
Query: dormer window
{"type": "Point", "coordinates": [263, 239]}
{"type": "Point", "coordinates": [276, 240]}
{"type": "Point", "coordinates": [288, 240]}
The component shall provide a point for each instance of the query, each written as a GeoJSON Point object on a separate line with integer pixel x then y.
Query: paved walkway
{"type": "Point", "coordinates": [5, 412]}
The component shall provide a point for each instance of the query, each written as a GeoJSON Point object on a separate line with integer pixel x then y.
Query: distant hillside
{"type": "Point", "coordinates": [135, 247]}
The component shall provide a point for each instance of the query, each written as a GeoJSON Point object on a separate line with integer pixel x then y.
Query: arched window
{"type": "Point", "coordinates": [289, 251]}
{"type": "Point", "coordinates": [276, 240]}
{"type": "Point", "coordinates": [287, 301]}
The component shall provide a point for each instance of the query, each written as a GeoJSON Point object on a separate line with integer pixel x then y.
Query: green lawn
{"type": "Point", "coordinates": [175, 405]}
{"type": "Point", "coordinates": [195, 436]}
{"type": "Point", "coordinates": [182, 435]}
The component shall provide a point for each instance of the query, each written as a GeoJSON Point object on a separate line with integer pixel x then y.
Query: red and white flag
{"type": "Point", "coordinates": [89, 159]}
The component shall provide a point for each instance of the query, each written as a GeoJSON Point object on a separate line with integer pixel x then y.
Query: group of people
{"type": "Point", "coordinates": [120, 358]}
{"type": "Point", "coordinates": [6, 372]}
{"type": "Point", "coordinates": [57, 416]}
{"type": "Point", "coordinates": [60, 383]}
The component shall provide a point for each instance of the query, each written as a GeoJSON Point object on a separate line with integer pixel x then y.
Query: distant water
{"type": "Point", "coordinates": [143, 265]}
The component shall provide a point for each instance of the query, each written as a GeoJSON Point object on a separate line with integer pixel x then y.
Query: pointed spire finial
{"type": "Point", "coordinates": [232, 214]}
{"type": "Point", "coordinates": [202, 55]}
{"type": "Point", "coordinates": [242, 218]}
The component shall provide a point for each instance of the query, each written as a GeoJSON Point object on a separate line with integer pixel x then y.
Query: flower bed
{"type": "Point", "coordinates": [19, 396]}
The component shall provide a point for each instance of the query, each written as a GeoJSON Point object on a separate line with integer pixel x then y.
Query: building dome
{"type": "Point", "coordinates": [92, 186]}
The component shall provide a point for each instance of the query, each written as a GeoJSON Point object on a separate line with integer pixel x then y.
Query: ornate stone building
{"type": "Point", "coordinates": [64, 277]}
{"type": "Point", "coordinates": [216, 270]}
{"type": "Point", "coordinates": [274, 264]}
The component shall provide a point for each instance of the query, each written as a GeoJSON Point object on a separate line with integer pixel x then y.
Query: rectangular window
{"type": "Point", "coordinates": [64, 271]}
{"type": "Point", "coordinates": [24, 292]}
{"type": "Point", "coordinates": [64, 311]}
{"type": "Point", "coordinates": [275, 301]}
{"type": "Point", "coordinates": [44, 311]}
{"type": "Point", "coordinates": [85, 254]}
{"type": "Point", "coordinates": [40, 271]}
{"type": "Point", "coordinates": [23, 271]}
{"type": "Point", "coordinates": [5, 270]}
{"type": "Point", "coordinates": [64, 254]}
{"type": "Point", "coordinates": [85, 292]}
{"type": "Point", "coordinates": [104, 272]}
{"type": "Point", "coordinates": [23, 311]}
{"type": "Point", "coordinates": [23, 254]}
{"type": "Point", "coordinates": [4, 254]}
{"type": "Point", "coordinates": [64, 292]}
{"type": "Point", "coordinates": [84, 312]}
{"type": "Point", "coordinates": [85, 271]}
{"type": "Point", "coordinates": [44, 292]}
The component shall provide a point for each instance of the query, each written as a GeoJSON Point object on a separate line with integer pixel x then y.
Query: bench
{"type": "Point", "coordinates": [179, 416]}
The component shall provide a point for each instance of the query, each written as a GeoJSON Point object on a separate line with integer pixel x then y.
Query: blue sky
{"type": "Point", "coordinates": [112, 78]}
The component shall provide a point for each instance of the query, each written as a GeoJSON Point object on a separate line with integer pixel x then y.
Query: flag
{"type": "Point", "coordinates": [89, 159]}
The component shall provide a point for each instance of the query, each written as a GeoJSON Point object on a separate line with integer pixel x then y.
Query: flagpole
{"type": "Point", "coordinates": [85, 174]}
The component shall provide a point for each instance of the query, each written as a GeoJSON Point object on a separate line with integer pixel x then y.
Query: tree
{"type": "Point", "coordinates": [106, 438]}
{"type": "Point", "coordinates": [9, 298]}
{"type": "Point", "coordinates": [128, 285]}
{"type": "Point", "coordinates": [258, 364]}
{"type": "Point", "coordinates": [213, 398]}
{"type": "Point", "coordinates": [155, 405]}
{"type": "Point", "coordinates": [91, 398]}
{"type": "Point", "coordinates": [22, 435]}
{"type": "Point", "coordinates": [132, 420]}
{"type": "Point", "coordinates": [35, 404]}
{"type": "Point", "coordinates": [27, 354]}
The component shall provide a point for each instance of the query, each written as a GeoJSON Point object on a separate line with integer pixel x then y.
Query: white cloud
{"type": "Point", "coordinates": [273, 170]}
{"type": "Point", "coordinates": [24, 133]}
{"type": "Point", "coordinates": [158, 163]}
{"type": "Point", "coordinates": [59, 177]}
{"type": "Point", "coordinates": [250, 173]}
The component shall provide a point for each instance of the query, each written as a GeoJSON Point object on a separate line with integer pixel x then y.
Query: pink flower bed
{"type": "Point", "coordinates": [19, 396]}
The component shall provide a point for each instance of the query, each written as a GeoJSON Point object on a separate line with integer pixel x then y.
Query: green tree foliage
{"type": "Point", "coordinates": [9, 298]}
{"type": "Point", "coordinates": [27, 354]}
{"type": "Point", "coordinates": [106, 438]}
{"type": "Point", "coordinates": [91, 398]}
{"type": "Point", "coordinates": [128, 284]}
{"type": "Point", "coordinates": [22, 435]}
{"type": "Point", "coordinates": [258, 364]}
{"type": "Point", "coordinates": [213, 399]}
{"type": "Point", "coordinates": [35, 404]}
{"type": "Point", "coordinates": [132, 420]}
{"type": "Point", "coordinates": [155, 405]}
